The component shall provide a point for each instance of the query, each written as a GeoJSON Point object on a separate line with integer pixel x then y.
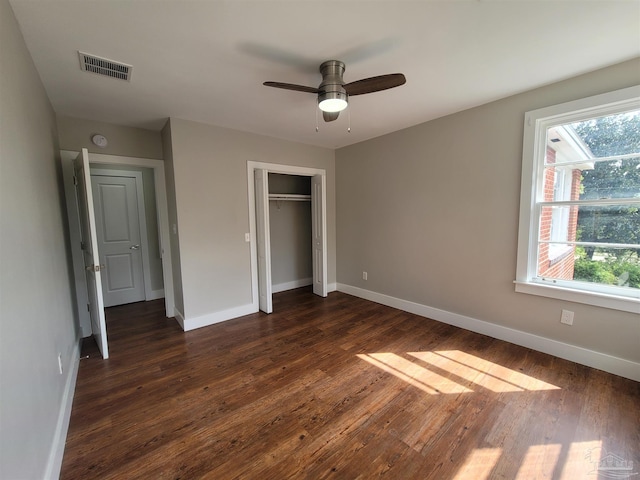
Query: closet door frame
{"type": "Point", "coordinates": [286, 170]}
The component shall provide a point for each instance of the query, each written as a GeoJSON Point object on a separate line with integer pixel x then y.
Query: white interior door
{"type": "Point", "coordinates": [90, 251]}
{"type": "Point", "coordinates": [119, 240]}
{"type": "Point", "coordinates": [319, 234]}
{"type": "Point", "coordinates": [263, 238]}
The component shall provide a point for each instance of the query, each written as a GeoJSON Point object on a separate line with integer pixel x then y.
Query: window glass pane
{"type": "Point", "coordinates": [556, 261]}
{"type": "Point", "coordinates": [608, 266]}
{"type": "Point", "coordinates": [611, 135]}
{"type": "Point", "coordinates": [561, 184]}
{"type": "Point", "coordinates": [610, 224]}
{"type": "Point", "coordinates": [558, 224]}
{"type": "Point", "coordinates": [605, 266]}
{"type": "Point", "coordinates": [587, 223]}
{"type": "Point", "coordinates": [611, 179]}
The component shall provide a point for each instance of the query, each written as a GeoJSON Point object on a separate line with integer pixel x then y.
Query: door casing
{"type": "Point", "coordinates": [287, 170]}
{"type": "Point", "coordinates": [263, 240]}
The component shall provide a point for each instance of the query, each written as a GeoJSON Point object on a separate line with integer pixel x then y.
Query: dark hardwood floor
{"type": "Point", "coordinates": [338, 388]}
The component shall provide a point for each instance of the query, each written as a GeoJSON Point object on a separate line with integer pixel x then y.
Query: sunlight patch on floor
{"type": "Point", "coordinates": [539, 461]}
{"type": "Point", "coordinates": [413, 373]}
{"type": "Point", "coordinates": [462, 371]}
{"type": "Point", "coordinates": [482, 372]}
{"type": "Point", "coordinates": [555, 460]}
{"type": "Point", "coordinates": [582, 460]}
{"type": "Point", "coordinates": [479, 464]}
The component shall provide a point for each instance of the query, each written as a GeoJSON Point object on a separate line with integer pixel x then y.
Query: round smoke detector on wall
{"type": "Point", "coordinates": [99, 140]}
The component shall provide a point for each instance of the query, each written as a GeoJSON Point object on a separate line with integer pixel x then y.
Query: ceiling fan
{"type": "Point", "coordinates": [333, 93]}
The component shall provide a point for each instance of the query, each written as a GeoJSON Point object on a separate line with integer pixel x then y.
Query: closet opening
{"type": "Point", "coordinates": [290, 231]}
{"type": "Point", "coordinates": [287, 212]}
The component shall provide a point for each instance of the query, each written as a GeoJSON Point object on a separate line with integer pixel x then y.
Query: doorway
{"type": "Point", "coordinates": [156, 167]}
{"type": "Point", "coordinates": [259, 226]}
{"type": "Point", "coordinates": [126, 215]}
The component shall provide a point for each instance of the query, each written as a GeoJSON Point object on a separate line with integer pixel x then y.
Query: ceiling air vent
{"type": "Point", "coordinates": [103, 66]}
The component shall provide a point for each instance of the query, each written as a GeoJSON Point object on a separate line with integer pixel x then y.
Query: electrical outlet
{"type": "Point", "coordinates": [60, 363]}
{"type": "Point", "coordinates": [566, 317]}
{"type": "Point", "coordinates": [364, 275]}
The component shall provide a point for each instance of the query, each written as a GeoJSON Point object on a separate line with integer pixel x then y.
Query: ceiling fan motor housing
{"type": "Point", "coordinates": [332, 86]}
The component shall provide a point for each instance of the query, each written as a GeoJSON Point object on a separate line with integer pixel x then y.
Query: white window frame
{"type": "Point", "coordinates": [536, 123]}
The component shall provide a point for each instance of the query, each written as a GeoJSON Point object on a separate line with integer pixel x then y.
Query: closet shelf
{"type": "Point", "coordinates": [289, 197]}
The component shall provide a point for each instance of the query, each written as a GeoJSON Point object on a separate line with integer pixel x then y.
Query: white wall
{"type": "Point", "coordinates": [212, 213]}
{"type": "Point", "coordinates": [36, 306]}
{"type": "Point", "coordinates": [431, 213]}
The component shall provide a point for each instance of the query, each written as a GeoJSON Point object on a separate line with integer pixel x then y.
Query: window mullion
{"type": "Point", "coordinates": [610, 158]}
{"type": "Point", "coordinates": [601, 202]}
{"type": "Point", "coordinates": [591, 244]}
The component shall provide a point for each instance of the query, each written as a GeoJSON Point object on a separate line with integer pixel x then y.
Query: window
{"type": "Point", "coordinates": [579, 237]}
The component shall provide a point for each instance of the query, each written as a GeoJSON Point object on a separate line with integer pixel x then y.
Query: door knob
{"type": "Point", "coordinates": [134, 247]}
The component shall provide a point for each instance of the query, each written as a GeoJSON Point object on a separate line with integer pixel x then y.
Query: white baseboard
{"type": "Point", "coordinates": [155, 294]}
{"type": "Point", "coordinates": [583, 356]}
{"type": "Point", "coordinates": [54, 463]}
{"type": "Point", "coordinates": [283, 287]}
{"type": "Point", "coordinates": [216, 317]}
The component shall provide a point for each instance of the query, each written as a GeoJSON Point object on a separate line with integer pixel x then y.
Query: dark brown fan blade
{"type": "Point", "coordinates": [375, 84]}
{"type": "Point", "coordinates": [330, 116]}
{"type": "Point", "coordinates": [291, 86]}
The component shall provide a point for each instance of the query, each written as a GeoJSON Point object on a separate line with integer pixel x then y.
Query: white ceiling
{"type": "Point", "coordinates": [206, 60]}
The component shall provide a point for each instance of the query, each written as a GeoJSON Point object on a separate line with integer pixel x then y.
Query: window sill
{"type": "Point", "coordinates": [615, 302]}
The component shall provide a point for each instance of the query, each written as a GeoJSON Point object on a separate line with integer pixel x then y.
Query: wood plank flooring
{"type": "Point", "coordinates": [338, 388]}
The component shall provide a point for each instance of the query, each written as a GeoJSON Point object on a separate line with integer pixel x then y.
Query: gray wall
{"type": "Point", "coordinates": [431, 213]}
{"type": "Point", "coordinates": [212, 212]}
{"type": "Point", "coordinates": [76, 133]}
{"type": "Point", "coordinates": [36, 304]}
{"type": "Point", "coordinates": [176, 266]}
{"type": "Point", "coordinates": [290, 226]}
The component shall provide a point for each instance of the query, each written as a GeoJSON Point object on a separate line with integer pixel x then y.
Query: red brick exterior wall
{"type": "Point", "coordinates": [561, 267]}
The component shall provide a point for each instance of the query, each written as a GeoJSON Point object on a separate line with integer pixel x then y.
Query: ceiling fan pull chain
{"type": "Point", "coordinates": [349, 115]}
{"type": "Point", "coordinates": [317, 127]}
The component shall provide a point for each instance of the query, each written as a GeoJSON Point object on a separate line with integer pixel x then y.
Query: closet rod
{"type": "Point", "coordinates": [290, 197]}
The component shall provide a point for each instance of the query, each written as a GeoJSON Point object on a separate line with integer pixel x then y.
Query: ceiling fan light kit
{"type": "Point", "coordinates": [333, 93]}
{"type": "Point", "coordinates": [332, 101]}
